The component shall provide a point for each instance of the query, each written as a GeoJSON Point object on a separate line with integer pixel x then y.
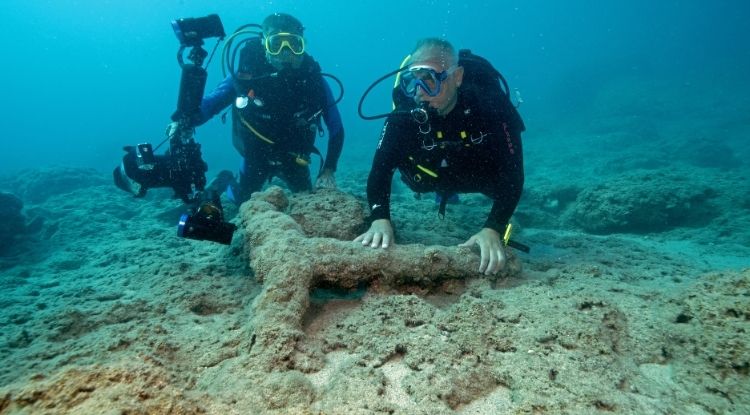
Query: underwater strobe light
{"type": "Point", "coordinates": [191, 31]}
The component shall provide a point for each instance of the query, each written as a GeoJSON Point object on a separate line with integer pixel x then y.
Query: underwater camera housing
{"type": "Point", "coordinates": [182, 166]}
{"type": "Point", "coordinates": [182, 169]}
{"type": "Point", "coordinates": [207, 223]}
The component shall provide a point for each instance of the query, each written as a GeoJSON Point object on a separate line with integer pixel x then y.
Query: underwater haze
{"type": "Point", "coordinates": [633, 299]}
{"type": "Point", "coordinates": [84, 78]}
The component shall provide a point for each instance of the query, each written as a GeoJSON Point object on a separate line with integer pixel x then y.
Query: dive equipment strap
{"type": "Point", "coordinates": [513, 244]}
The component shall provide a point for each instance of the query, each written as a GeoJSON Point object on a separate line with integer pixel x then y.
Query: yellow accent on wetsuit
{"type": "Point", "coordinates": [424, 169]}
{"type": "Point", "coordinates": [506, 236]}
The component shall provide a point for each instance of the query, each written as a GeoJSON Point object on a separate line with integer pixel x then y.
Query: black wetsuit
{"type": "Point", "coordinates": [280, 121]}
{"type": "Point", "coordinates": [473, 149]}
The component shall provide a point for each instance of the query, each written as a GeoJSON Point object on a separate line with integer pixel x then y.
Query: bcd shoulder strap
{"type": "Point", "coordinates": [482, 76]}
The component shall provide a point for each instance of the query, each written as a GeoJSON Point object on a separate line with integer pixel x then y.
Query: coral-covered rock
{"type": "Point", "coordinates": [95, 389]}
{"type": "Point", "coordinates": [328, 213]}
{"type": "Point", "coordinates": [542, 206]}
{"type": "Point", "coordinates": [13, 224]}
{"type": "Point", "coordinates": [37, 185]}
{"type": "Point", "coordinates": [12, 220]}
{"type": "Point", "coordinates": [643, 202]}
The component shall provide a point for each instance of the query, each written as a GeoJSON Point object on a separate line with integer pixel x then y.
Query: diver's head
{"type": "Point", "coordinates": [283, 41]}
{"type": "Point", "coordinates": [433, 75]}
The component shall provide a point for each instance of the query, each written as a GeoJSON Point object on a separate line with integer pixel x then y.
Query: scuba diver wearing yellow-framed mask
{"type": "Point", "coordinates": [280, 102]}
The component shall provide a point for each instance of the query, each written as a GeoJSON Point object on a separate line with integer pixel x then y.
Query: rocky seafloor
{"type": "Point", "coordinates": [635, 298]}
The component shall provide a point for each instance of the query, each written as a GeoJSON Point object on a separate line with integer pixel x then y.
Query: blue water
{"type": "Point", "coordinates": [83, 78]}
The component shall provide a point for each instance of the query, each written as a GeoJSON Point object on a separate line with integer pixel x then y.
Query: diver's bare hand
{"type": "Point", "coordinates": [492, 253]}
{"type": "Point", "coordinates": [326, 180]}
{"type": "Point", "coordinates": [380, 234]}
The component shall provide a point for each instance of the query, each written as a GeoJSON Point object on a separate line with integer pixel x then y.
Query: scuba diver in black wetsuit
{"type": "Point", "coordinates": [462, 139]}
{"type": "Point", "coordinates": [279, 98]}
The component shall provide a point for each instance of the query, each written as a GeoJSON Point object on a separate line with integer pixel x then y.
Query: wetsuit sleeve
{"type": "Point", "coordinates": [215, 101]}
{"type": "Point", "coordinates": [384, 164]}
{"type": "Point", "coordinates": [507, 186]}
{"type": "Point", "coordinates": [332, 119]}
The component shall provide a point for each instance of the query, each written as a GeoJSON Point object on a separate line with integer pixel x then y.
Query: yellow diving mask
{"type": "Point", "coordinates": [276, 43]}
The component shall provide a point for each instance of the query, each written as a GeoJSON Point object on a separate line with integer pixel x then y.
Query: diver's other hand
{"type": "Point", "coordinates": [492, 253]}
{"type": "Point", "coordinates": [380, 234]}
{"type": "Point", "coordinates": [173, 128]}
{"type": "Point", "coordinates": [326, 180]}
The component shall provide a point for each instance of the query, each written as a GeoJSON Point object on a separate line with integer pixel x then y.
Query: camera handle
{"type": "Point", "coordinates": [188, 170]}
{"type": "Point", "coordinates": [192, 86]}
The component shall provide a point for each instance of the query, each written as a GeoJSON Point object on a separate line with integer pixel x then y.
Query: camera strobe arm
{"type": "Point", "coordinates": [182, 166]}
{"type": "Point", "coordinates": [192, 87]}
{"type": "Point", "coordinates": [187, 166]}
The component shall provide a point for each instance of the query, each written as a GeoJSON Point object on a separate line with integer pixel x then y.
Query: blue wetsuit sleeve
{"type": "Point", "coordinates": [332, 119]}
{"type": "Point", "coordinates": [218, 99]}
